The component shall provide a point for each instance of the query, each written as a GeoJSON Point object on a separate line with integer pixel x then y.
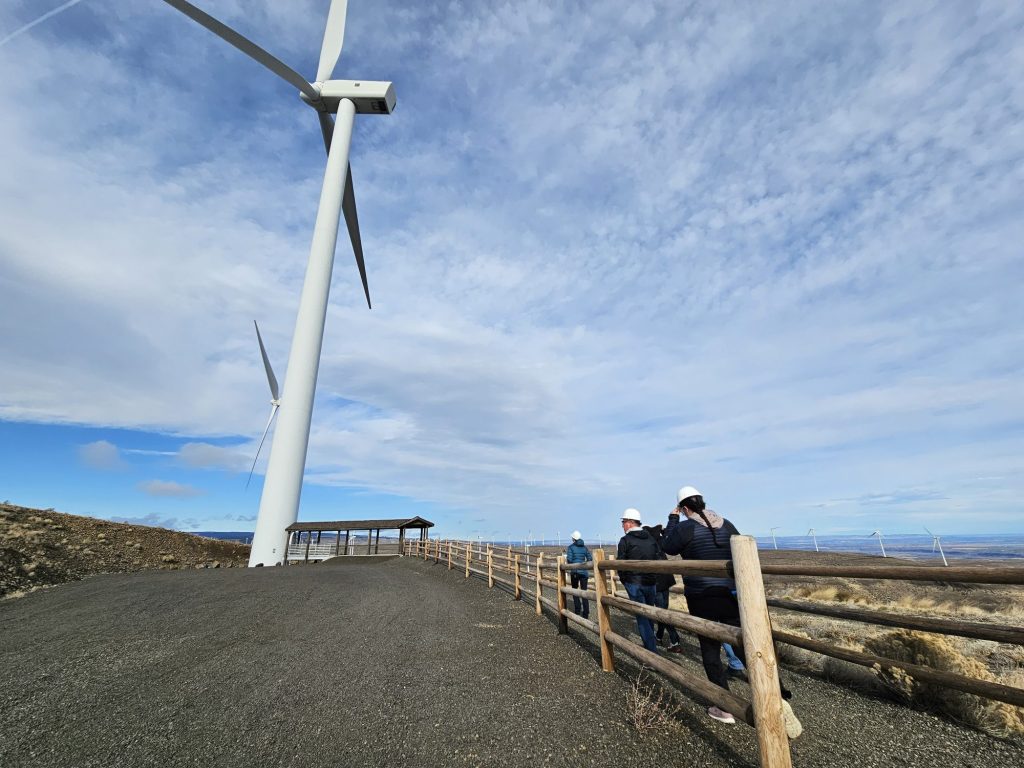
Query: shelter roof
{"type": "Point", "coordinates": [362, 525]}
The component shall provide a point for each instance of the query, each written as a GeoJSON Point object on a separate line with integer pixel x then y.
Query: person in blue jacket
{"type": "Point", "coordinates": [704, 535]}
{"type": "Point", "coordinates": [577, 552]}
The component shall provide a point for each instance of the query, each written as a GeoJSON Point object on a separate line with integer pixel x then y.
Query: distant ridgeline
{"type": "Point", "coordinates": [244, 537]}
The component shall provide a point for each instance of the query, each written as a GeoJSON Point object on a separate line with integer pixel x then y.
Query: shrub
{"type": "Point", "coordinates": [649, 707]}
{"type": "Point", "coordinates": [941, 653]}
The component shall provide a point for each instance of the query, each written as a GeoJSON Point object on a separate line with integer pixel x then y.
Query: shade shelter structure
{"type": "Point", "coordinates": [307, 541]}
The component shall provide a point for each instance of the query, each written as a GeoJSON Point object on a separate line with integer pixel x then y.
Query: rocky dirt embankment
{"type": "Point", "coordinates": [42, 547]}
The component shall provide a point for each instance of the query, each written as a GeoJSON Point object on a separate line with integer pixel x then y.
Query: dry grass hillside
{"type": "Point", "coordinates": [40, 548]}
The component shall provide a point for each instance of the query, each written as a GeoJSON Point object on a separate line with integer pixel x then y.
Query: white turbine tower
{"type": "Point", "coordinates": [879, 535]}
{"type": "Point", "coordinates": [774, 542]}
{"type": "Point", "coordinates": [814, 539]}
{"type": "Point", "coordinates": [937, 542]}
{"type": "Point", "coordinates": [279, 504]}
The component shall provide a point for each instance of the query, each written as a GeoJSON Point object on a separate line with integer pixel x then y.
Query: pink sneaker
{"type": "Point", "coordinates": [721, 715]}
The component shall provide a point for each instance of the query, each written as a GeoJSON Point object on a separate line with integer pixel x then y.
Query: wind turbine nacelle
{"type": "Point", "coordinates": [371, 97]}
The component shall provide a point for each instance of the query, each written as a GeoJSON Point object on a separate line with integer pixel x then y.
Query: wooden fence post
{"type": "Point", "coordinates": [490, 566]}
{"type": "Point", "coordinates": [604, 623]}
{"type": "Point", "coordinates": [469, 556]}
{"type": "Point", "coordinates": [539, 571]}
{"type": "Point", "coordinates": [762, 666]}
{"type": "Point", "coordinates": [563, 623]}
{"type": "Point", "coordinates": [519, 592]}
{"type": "Point", "coordinates": [448, 547]}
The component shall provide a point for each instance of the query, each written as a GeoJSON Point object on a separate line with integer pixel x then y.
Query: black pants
{"type": "Point", "coordinates": [716, 604]}
{"type": "Point", "coordinates": [720, 604]}
{"type": "Point", "coordinates": [579, 582]}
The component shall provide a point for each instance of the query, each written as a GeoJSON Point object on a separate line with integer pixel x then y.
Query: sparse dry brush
{"type": "Point", "coordinates": [943, 653]}
{"type": "Point", "coordinates": [980, 659]}
{"type": "Point", "coordinates": [648, 706]}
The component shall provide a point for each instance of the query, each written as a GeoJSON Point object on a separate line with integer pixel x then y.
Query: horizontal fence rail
{"type": "Point", "coordinates": [973, 629]}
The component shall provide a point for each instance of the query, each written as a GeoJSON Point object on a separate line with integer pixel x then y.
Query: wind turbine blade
{"type": "Point", "coordinates": [271, 378]}
{"type": "Point", "coordinates": [273, 412]}
{"type": "Point", "coordinates": [246, 46]}
{"type": "Point", "coordinates": [327, 129]}
{"type": "Point", "coordinates": [334, 37]}
{"type": "Point", "coordinates": [348, 207]}
{"type": "Point", "coordinates": [927, 531]}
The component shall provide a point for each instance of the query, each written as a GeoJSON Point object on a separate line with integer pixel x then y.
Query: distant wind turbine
{"type": "Point", "coordinates": [879, 535]}
{"type": "Point", "coordinates": [811, 534]}
{"type": "Point", "coordinates": [275, 398]}
{"type": "Point", "coordinates": [774, 542]}
{"type": "Point", "coordinates": [937, 542]}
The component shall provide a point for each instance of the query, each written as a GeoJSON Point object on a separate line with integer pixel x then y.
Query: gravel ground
{"type": "Point", "coordinates": [394, 663]}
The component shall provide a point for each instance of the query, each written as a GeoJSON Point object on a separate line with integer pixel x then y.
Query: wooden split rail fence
{"type": "Point", "coordinates": [755, 636]}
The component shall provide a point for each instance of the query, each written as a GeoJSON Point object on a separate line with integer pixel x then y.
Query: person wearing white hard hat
{"type": "Point", "coordinates": [704, 535]}
{"type": "Point", "coordinates": [638, 544]}
{"type": "Point", "coordinates": [577, 552]}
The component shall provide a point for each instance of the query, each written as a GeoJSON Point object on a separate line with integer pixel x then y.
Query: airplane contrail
{"type": "Point", "coordinates": [40, 20]}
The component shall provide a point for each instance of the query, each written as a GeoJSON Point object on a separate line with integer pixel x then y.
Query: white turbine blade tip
{"type": "Point", "coordinates": [334, 38]}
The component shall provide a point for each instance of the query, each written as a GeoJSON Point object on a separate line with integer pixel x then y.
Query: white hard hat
{"type": "Point", "coordinates": [686, 492]}
{"type": "Point", "coordinates": [576, 535]}
{"type": "Point", "coordinates": [631, 514]}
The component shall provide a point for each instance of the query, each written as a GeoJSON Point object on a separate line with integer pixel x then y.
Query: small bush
{"type": "Point", "coordinates": [940, 653]}
{"type": "Point", "coordinates": [649, 707]}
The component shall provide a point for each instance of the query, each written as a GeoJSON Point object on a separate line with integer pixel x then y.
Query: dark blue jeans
{"type": "Point", "coordinates": [579, 582]}
{"type": "Point", "coordinates": [648, 595]}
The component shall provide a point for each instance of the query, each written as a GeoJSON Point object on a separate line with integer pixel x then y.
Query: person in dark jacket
{"type": "Point", "coordinates": [664, 582]}
{"type": "Point", "coordinates": [638, 544]}
{"type": "Point", "coordinates": [577, 552]}
{"type": "Point", "coordinates": [704, 535]}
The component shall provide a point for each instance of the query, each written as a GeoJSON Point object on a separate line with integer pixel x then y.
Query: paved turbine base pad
{"type": "Point", "coordinates": [394, 663]}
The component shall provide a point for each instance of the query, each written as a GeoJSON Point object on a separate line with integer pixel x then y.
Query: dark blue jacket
{"type": "Point", "coordinates": [577, 552]}
{"type": "Point", "coordinates": [694, 542]}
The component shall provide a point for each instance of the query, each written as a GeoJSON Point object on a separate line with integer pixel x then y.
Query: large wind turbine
{"type": "Point", "coordinates": [282, 487]}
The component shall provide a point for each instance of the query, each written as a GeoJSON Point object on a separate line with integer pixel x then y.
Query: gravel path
{"type": "Point", "coordinates": [395, 663]}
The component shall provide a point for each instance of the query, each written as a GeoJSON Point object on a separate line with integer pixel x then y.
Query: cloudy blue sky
{"type": "Point", "coordinates": [773, 250]}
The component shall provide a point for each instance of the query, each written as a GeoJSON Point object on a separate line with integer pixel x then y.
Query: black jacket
{"type": "Point", "coordinates": [664, 581]}
{"type": "Point", "coordinates": [638, 544]}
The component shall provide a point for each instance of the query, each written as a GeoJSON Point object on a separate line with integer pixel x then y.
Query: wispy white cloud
{"type": "Point", "coordinates": [168, 488]}
{"type": "Point", "coordinates": [208, 456]}
{"type": "Point", "coordinates": [101, 454]}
